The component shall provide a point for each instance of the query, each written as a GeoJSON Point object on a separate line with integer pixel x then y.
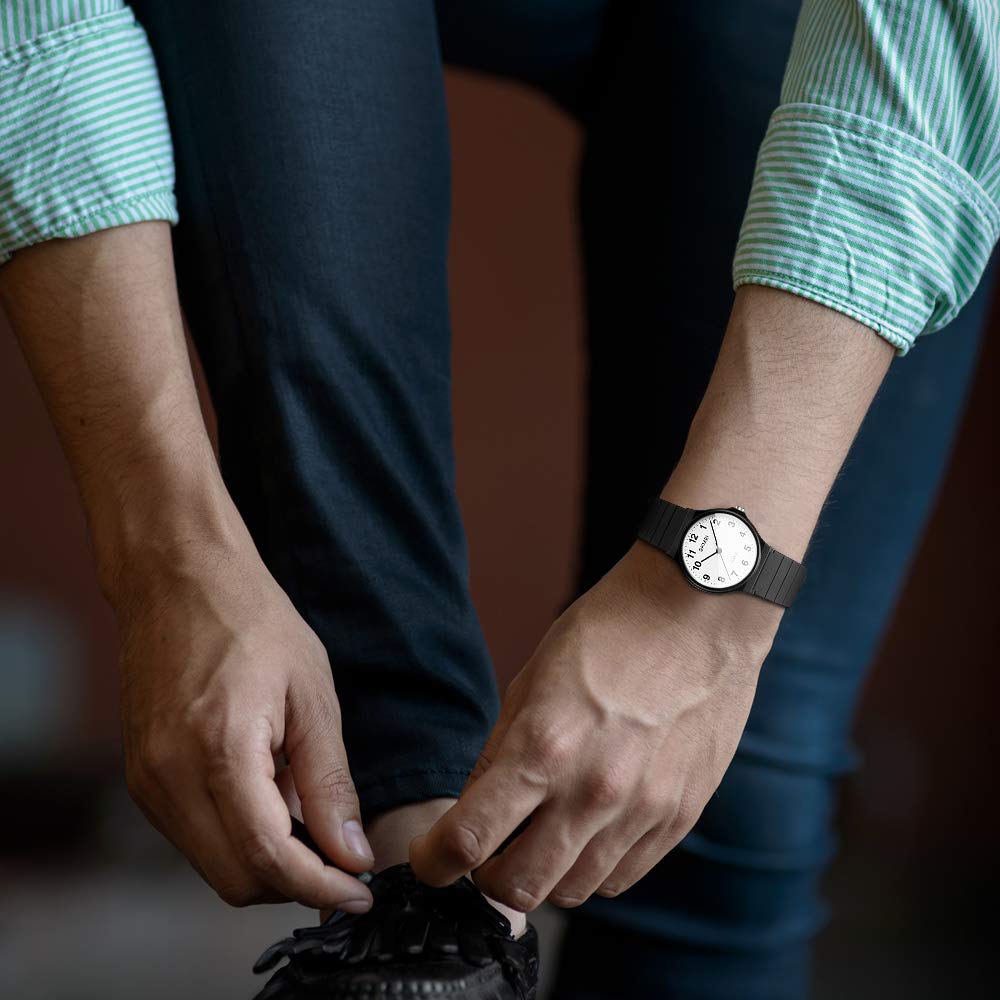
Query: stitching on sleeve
{"type": "Point", "coordinates": [111, 206]}
{"type": "Point", "coordinates": [67, 228]}
{"type": "Point", "coordinates": [784, 282]}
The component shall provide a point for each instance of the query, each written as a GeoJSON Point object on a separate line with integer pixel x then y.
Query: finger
{"type": "Point", "coordinates": [315, 748]}
{"type": "Point", "coordinates": [487, 811]}
{"type": "Point", "coordinates": [186, 815]}
{"type": "Point", "coordinates": [598, 860]}
{"type": "Point", "coordinates": [161, 826]}
{"type": "Point", "coordinates": [204, 842]}
{"type": "Point", "coordinates": [260, 830]}
{"type": "Point", "coordinates": [645, 854]}
{"type": "Point", "coordinates": [528, 870]}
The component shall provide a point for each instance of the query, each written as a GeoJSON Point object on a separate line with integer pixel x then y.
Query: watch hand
{"type": "Point", "coordinates": [724, 566]}
{"type": "Point", "coordinates": [716, 537]}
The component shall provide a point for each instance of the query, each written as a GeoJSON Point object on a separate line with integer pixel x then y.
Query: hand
{"type": "Point", "coordinates": [612, 738]}
{"type": "Point", "coordinates": [220, 675]}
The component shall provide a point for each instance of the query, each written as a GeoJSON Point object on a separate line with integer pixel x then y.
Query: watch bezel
{"type": "Point", "coordinates": [745, 582]}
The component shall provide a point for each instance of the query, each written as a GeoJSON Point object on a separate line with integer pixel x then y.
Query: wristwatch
{"type": "Point", "coordinates": [720, 551]}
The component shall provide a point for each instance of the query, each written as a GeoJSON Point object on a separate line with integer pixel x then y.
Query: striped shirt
{"type": "Point", "coordinates": [84, 142]}
{"type": "Point", "coordinates": [876, 192]}
{"type": "Point", "coordinates": [877, 188]}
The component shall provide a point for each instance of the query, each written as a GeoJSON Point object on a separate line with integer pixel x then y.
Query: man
{"type": "Point", "coordinates": [312, 168]}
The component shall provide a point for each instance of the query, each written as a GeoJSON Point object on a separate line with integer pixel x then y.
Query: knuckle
{"type": "Point", "coordinates": [601, 789]}
{"type": "Point", "coordinates": [220, 745]}
{"type": "Point", "coordinates": [238, 894]}
{"type": "Point", "coordinates": [159, 755]}
{"type": "Point", "coordinates": [657, 844]}
{"type": "Point", "coordinates": [647, 803]}
{"type": "Point", "coordinates": [260, 852]}
{"type": "Point", "coordinates": [550, 750]}
{"type": "Point", "coordinates": [315, 711]}
{"type": "Point", "coordinates": [683, 817]}
{"type": "Point", "coordinates": [212, 743]}
{"type": "Point", "coordinates": [335, 783]}
{"type": "Point", "coordinates": [462, 845]}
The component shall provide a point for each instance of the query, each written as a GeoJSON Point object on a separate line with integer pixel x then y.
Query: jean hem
{"type": "Point", "coordinates": [379, 794]}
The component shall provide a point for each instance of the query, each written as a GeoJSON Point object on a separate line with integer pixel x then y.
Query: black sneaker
{"type": "Point", "coordinates": [414, 941]}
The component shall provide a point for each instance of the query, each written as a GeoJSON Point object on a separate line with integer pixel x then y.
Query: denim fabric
{"type": "Point", "coordinates": [312, 161]}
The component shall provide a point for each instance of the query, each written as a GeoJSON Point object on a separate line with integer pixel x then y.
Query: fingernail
{"type": "Point", "coordinates": [356, 906]}
{"type": "Point", "coordinates": [357, 841]}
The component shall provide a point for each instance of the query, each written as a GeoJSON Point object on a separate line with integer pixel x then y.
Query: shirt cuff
{"type": "Point", "coordinates": [84, 141]}
{"type": "Point", "coordinates": [866, 220]}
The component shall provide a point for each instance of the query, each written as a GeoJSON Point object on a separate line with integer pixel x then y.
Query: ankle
{"type": "Point", "coordinates": [390, 834]}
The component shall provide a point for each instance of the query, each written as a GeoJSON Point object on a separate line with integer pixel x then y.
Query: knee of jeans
{"type": "Point", "coordinates": [746, 879]}
{"type": "Point", "coordinates": [770, 813]}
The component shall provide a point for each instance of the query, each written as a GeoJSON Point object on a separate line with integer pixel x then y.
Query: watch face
{"type": "Point", "coordinates": [719, 550]}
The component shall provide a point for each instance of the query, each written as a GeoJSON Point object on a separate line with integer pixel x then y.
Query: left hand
{"type": "Point", "coordinates": [612, 738]}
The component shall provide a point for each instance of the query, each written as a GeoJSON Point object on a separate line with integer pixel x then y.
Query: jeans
{"type": "Point", "coordinates": [313, 179]}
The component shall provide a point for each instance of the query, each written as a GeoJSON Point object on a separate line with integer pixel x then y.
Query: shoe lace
{"type": "Point", "coordinates": [409, 920]}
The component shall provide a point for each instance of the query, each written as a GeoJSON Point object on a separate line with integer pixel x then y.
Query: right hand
{"type": "Point", "coordinates": [219, 676]}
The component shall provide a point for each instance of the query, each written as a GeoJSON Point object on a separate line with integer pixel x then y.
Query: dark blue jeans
{"type": "Point", "coordinates": [313, 175]}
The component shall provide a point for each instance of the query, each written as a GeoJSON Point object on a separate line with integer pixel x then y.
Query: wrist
{"type": "Point", "coordinates": [785, 517]}
{"type": "Point", "coordinates": [164, 525]}
{"type": "Point", "coordinates": [736, 619]}
{"type": "Point", "coordinates": [791, 385]}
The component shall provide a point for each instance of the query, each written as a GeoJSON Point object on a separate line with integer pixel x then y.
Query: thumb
{"type": "Point", "coordinates": [314, 747]}
{"type": "Point", "coordinates": [425, 847]}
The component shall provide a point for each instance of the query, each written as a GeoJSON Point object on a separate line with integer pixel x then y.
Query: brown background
{"type": "Point", "coordinates": [921, 821]}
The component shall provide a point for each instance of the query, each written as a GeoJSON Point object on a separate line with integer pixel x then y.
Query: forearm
{"type": "Point", "coordinates": [790, 389]}
{"type": "Point", "coordinates": [219, 672]}
{"type": "Point", "coordinates": [99, 322]}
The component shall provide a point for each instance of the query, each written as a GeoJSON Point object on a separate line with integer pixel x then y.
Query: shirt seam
{"type": "Point", "coordinates": [51, 42]}
{"type": "Point", "coordinates": [952, 175]}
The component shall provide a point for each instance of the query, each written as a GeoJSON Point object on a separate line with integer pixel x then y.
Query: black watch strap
{"type": "Point", "coordinates": [778, 579]}
{"type": "Point", "coordinates": [664, 524]}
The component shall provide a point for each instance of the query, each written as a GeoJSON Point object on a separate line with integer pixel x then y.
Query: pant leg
{"type": "Point", "coordinates": [313, 180]}
{"type": "Point", "coordinates": [732, 911]}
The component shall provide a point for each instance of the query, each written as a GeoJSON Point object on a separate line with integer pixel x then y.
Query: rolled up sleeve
{"type": "Point", "coordinates": [877, 187]}
{"type": "Point", "coordinates": [84, 140]}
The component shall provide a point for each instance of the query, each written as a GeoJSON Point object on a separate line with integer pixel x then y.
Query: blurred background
{"type": "Point", "coordinates": [94, 905]}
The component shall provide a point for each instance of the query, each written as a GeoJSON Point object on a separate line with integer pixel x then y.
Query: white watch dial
{"type": "Point", "coordinates": [719, 550]}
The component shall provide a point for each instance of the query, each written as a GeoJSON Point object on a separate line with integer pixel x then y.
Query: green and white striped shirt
{"type": "Point", "coordinates": [877, 189]}
{"type": "Point", "coordinates": [84, 142]}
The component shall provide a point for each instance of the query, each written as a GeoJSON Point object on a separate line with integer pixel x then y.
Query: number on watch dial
{"type": "Point", "coordinates": [719, 550]}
